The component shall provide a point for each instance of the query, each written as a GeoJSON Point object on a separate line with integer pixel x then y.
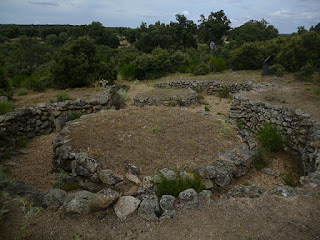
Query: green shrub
{"type": "Point", "coordinates": [62, 97]}
{"type": "Point", "coordinates": [6, 106]}
{"type": "Point", "coordinates": [305, 73]}
{"type": "Point", "coordinates": [128, 72]}
{"type": "Point", "coordinates": [240, 125]}
{"type": "Point", "coordinates": [289, 180]}
{"type": "Point", "coordinates": [33, 83]}
{"type": "Point", "coordinates": [201, 69]}
{"type": "Point", "coordinates": [5, 88]}
{"type": "Point", "coordinates": [270, 138]}
{"type": "Point", "coordinates": [206, 108]}
{"type": "Point", "coordinates": [217, 64]}
{"type": "Point", "coordinates": [317, 91]}
{"type": "Point", "coordinates": [75, 115]}
{"type": "Point", "coordinates": [260, 160]}
{"type": "Point", "coordinates": [277, 70]}
{"type": "Point", "coordinates": [124, 94]}
{"type": "Point", "coordinates": [223, 92]}
{"type": "Point", "coordinates": [22, 92]}
{"type": "Point", "coordinates": [174, 187]}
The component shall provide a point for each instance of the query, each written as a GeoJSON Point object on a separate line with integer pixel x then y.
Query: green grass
{"type": "Point", "coordinates": [6, 106]}
{"type": "Point", "coordinates": [124, 94]}
{"type": "Point", "coordinates": [270, 138]}
{"type": "Point", "coordinates": [223, 92]}
{"type": "Point", "coordinates": [317, 91]}
{"type": "Point", "coordinates": [260, 160]}
{"type": "Point", "coordinates": [174, 187]}
{"type": "Point", "coordinates": [289, 180]}
{"type": "Point", "coordinates": [62, 97]}
{"type": "Point", "coordinates": [206, 108]}
{"type": "Point", "coordinates": [22, 92]}
{"type": "Point", "coordinates": [75, 115]}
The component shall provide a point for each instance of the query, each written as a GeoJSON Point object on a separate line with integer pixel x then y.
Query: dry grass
{"type": "Point", "coordinates": [164, 93]}
{"type": "Point", "coordinates": [151, 138]}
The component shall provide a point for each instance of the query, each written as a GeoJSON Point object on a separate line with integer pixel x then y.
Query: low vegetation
{"type": "Point", "coordinates": [179, 184]}
{"type": "Point", "coordinates": [62, 97]}
{"type": "Point", "coordinates": [6, 106]}
{"type": "Point", "coordinates": [290, 180]}
{"type": "Point", "coordinates": [270, 138]}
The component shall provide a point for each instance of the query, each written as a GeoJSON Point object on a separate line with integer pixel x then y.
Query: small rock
{"type": "Point", "coordinates": [167, 202]}
{"type": "Point", "coordinates": [133, 178]}
{"type": "Point", "coordinates": [189, 197]}
{"type": "Point", "coordinates": [167, 214]}
{"type": "Point", "coordinates": [268, 171]}
{"type": "Point", "coordinates": [207, 183]}
{"type": "Point", "coordinates": [3, 99]}
{"type": "Point", "coordinates": [149, 208]}
{"type": "Point", "coordinates": [133, 169]}
{"type": "Point", "coordinates": [205, 196]}
{"type": "Point", "coordinates": [284, 190]}
{"type": "Point", "coordinates": [108, 177]}
{"type": "Point", "coordinates": [103, 199]}
{"type": "Point", "coordinates": [168, 174]}
{"type": "Point", "coordinates": [125, 206]}
{"type": "Point", "coordinates": [79, 202]}
{"type": "Point", "coordinates": [53, 197]}
{"type": "Point", "coordinates": [156, 179]}
{"type": "Point", "coordinates": [133, 191]}
{"type": "Point", "coordinates": [146, 182]}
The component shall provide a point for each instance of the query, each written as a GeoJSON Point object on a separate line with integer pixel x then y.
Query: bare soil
{"type": "Point", "coordinates": [151, 138]}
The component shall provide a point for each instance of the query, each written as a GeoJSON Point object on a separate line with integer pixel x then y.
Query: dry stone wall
{"type": "Point", "coordinates": [208, 87]}
{"type": "Point", "coordinates": [28, 122]}
{"type": "Point", "coordinates": [302, 134]}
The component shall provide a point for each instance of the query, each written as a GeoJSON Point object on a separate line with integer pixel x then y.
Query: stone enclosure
{"type": "Point", "coordinates": [102, 187]}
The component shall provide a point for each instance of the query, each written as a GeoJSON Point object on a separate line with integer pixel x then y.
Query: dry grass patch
{"type": "Point", "coordinates": [151, 138]}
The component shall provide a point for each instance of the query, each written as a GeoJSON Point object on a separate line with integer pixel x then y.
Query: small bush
{"type": "Point", "coordinates": [62, 97]}
{"type": "Point", "coordinates": [260, 160]}
{"type": "Point", "coordinates": [6, 106]}
{"type": "Point", "coordinates": [317, 91]}
{"type": "Point", "coordinates": [206, 108]}
{"type": "Point", "coordinates": [22, 92]}
{"type": "Point", "coordinates": [124, 94]}
{"type": "Point", "coordinates": [270, 138]}
{"type": "Point", "coordinates": [174, 187]}
{"type": "Point", "coordinates": [224, 92]}
{"type": "Point", "coordinates": [128, 72]}
{"type": "Point", "coordinates": [305, 73]}
{"type": "Point", "coordinates": [240, 125]}
{"type": "Point", "coordinates": [289, 180]}
{"type": "Point", "coordinates": [201, 69]}
{"type": "Point", "coordinates": [33, 83]}
{"type": "Point", "coordinates": [217, 64]}
{"type": "Point", "coordinates": [75, 115]}
{"type": "Point", "coordinates": [277, 69]}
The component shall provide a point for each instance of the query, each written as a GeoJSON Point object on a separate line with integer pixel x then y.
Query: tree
{"type": "Point", "coordinates": [101, 35]}
{"type": "Point", "coordinates": [253, 30]}
{"type": "Point", "coordinates": [316, 28]}
{"type": "Point", "coordinates": [301, 30]}
{"type": "Point", "coordinates": [214, 27]}
{"type": "Point", "coordinates": [77, 64]}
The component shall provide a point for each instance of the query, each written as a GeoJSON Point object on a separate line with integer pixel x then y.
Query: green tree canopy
{"type": "Point", "coordinates": [213, 27]}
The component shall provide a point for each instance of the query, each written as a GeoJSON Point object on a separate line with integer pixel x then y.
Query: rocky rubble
{"type": "Point", "coordinates": [208, 87]}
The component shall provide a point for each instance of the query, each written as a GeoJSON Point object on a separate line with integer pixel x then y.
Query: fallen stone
{"type": "Point", "coordinates": [108, 177]}
{"type": "Point", "coordinates": [253, 191]}
{"type": "Point", "coordinates": [79, 202]}
{"type": "Point", "coordinates": [205, 196]}
{"type": "Point", "coordinates": [284, 190]}
{"type": "Point", "coordinates": [133, 169]}
{"type": "Point", "coordinates": [103, 199]}
{"type": "Point", "coordinates": [189, 197]}
{"type": "Point", "coordinates": [167, 214]}
{"type": "Point", "coordinates": [133, 178]}
{"type": "Point", "coordinates": [147, 182]}
{"type": "Point", "coordinates": [125, 206]}
{"type": "Point", "coordinates": [168, 174]}
{"type": "Point", "coordinates": [167, 202]}
{"type": "Point", "coordinates": [149, 208]}
{"type": "Point", "coordinates": [268, 171]}
{"type": "Point", "coordinates": [53, 197]}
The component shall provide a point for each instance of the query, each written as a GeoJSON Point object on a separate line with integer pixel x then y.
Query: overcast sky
{"type": "Point", "coordinates": [286, 15]}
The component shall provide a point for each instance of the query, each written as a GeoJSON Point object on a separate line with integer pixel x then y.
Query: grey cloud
{"type": "Point", "coordinates": [44, 3]}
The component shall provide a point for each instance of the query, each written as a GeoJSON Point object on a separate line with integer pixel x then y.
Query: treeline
{"type": "Point", "coordinates": [63, 56]}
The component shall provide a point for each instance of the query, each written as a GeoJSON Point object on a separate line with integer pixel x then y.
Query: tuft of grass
{"type": "Point", "coordinates": [174, 187]}
{"type": "Point", "coordinates": [206, 108]}
{"type": "Point", "coordinates": [289, 180]}
{"type": "Point", "coordinates": [224, 92]}
{"type": "Point", "coordinates": [260, 160]}
{"type": "Point", "coordinates": [64, 183]}
{"type": "Point", "coordinates": [270, 138]}
{"type": "Point", "coordinates": [22, 143]}
{"type": "Point", "coordinates": [75, 115]}
{"type": "Point", "coordinates": [226, 128]}
{"type": "Point", "coordinates": [22, 92]}
{"type": "Point", "coordinates": [124, 94]}
{"type": "Point", "coordinates": [200, 96]}
{"type": "Point", "coordinates": [240, 125]}
{"type": "Point", "coordinates": [6, 106]}
{"type": "Point", "coordinates": [317, 91]}
{"type": "Point", "coordinates": [62, 97]}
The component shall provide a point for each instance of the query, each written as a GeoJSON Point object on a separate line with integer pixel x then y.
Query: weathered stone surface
{"type": "Point", "coordinates": [207, 183]}
{"type": "Point", "coordinates": [133, 178]}
{"type": "Point", "coordinates": [3, 99]}
{"type": "Point", "coordinates": [53, 197]}
{"type": "Point", "coordinates": [205, 196]}
{"type": "Point", "coordinates": [167, 214]}
{"type": "Point", "coordinates": [103, 199]}
{"type": "Point", "coordinates": [285, 191]}
{"type": "Point", "coordinates": [79, 202]}
{"type": "Point", "coordinates": [125, 206]}
{"type": "Point", "coordinates": [133, 169]}
{"type": "Point", "coordinates": [108, 177]}
{"type": "Point", "coordinates": [147, 182]}
{"type": "Point", "coordinates": [253, 191]}
{"type": "Point", "coordinates": [149, 208]}
{"type": "Point", "coordinates": [168, 174]}
{"type": "Point", "coordinates": [189, 197]}
{"type": "Point", "coordinates": [268, 171]}
{"type": "Point", "coordinates": [167, 202]}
